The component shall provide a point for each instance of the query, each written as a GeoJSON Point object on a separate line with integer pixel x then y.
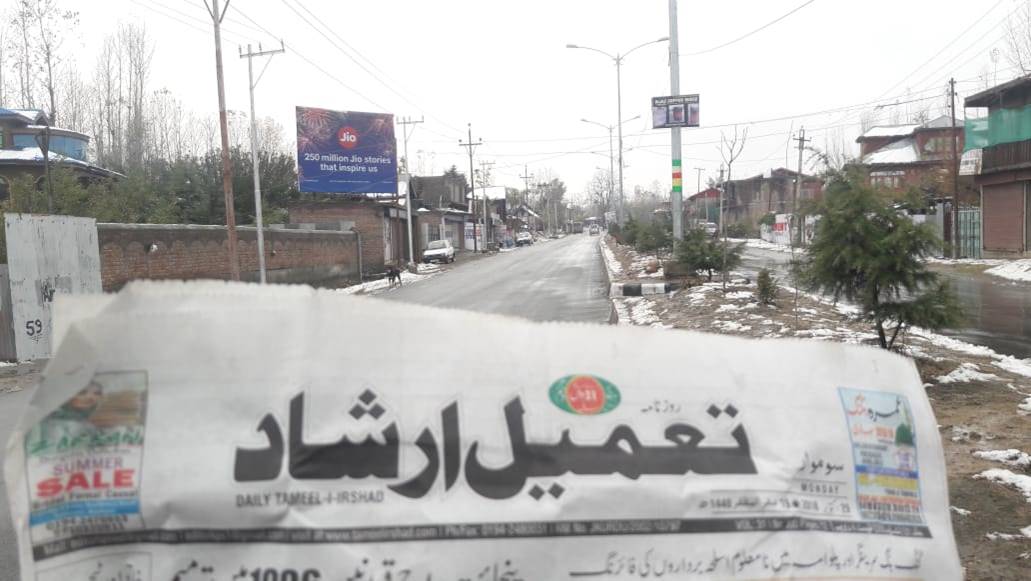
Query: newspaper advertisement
{"type": "Point", "coordinates": [212, 431]}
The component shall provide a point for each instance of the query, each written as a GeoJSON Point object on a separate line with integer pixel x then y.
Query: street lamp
{"type": "Point", "coordinates": [618, 59]}
{"type": "Point", "coordinates": [612, 171]}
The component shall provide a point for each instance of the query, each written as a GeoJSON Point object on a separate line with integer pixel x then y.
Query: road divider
{"type": "Point", "coordinates": [640, 289]}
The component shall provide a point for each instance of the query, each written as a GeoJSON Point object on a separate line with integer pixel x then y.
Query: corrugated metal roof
{"type": "Point", "coordinates": [899, 152]}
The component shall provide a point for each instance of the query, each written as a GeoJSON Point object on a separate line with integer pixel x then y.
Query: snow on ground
{"type": "Point", "coordinates": [425, 271]}
{"type": "Point", "coordinates": [959, 511]}
{"type": "Point", "coordinates": [1011, 457]}
{"type": "Point", "coordinates": [740, 295]}
{"type": "Point", "coordinates": [966, 373]}
{"type": "Point", "coordinates": [967, 261]}
{"type": "Point", "coordinates": [731, 326]}
{"type": "Point", "coordinates": [1022, 482]}
{"type": "Point", "coordinates": [1024, 407]}
{"type": "Point", "coordinates": [638, 311]}
{"type": "Point", "coordinates": [1004, 362]}
{"type": "Point", "coordinates": [760, 244]}
{"type": "Point", "coordinates": [1024, 533]}
{"type": "Point", "coordinates": [1019, 270]}
{"type": "Point", "coordinates": [615, 268]}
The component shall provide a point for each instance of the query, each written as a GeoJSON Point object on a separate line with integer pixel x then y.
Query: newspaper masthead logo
{"type": "Point", "coordinates": [584, 395]}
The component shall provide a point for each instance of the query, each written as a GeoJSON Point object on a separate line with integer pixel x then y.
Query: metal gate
{"type": "Point", "coordinates": [970, 233]}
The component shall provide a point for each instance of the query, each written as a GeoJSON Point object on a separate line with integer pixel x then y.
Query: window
{"type": "Point", "coordinates": [5, 188]}
{"type": "Point", "coordinates": [68, 146]}
{"type": "Point", "coordinates": [891, 180]}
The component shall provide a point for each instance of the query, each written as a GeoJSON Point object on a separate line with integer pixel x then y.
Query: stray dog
{"type": "Point", "coordinates": [394, 276]}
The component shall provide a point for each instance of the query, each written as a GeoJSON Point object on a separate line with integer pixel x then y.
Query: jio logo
{"type": "Point", "coordinates": [347, 137]}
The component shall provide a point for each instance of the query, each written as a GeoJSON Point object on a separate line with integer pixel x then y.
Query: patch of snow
{"type": "Point", "coordinates": [726, 308]}
{"type": "Point", "coordinates": [731, 326]}
{"type": "Point", "coordinates": [1021, 482]}
{"type": "Point", "coordinates": [959, 511]}
{"type": "Point", "coordinates": [740, 295]}
{"type": "Point", "coordinates": [1025, 407]}
{"type": "Point", "coordinates": [808, 311]}
{"type": "Point", "coordinates": [892, 130]}
{"type": "Point", "coordinates": [1011, 457]}
{"type": "Point", "coordinates": [640, 312]}
{"type": "Point", "coordinates": [610, 259]}
{"type": "Point", "coordinates": [1004, 362]}
{"type": "Point", "coordinates": [657, 274]}
{"type": "Point", "coordinates": [901, 151]}
{"type": "Point", "coordinates": [970, 261]}
{"type": "Point", "coordinates": [383, 284]}
{"type": "Point", "coordinates": [1019, 270]}
{"type": "Point", "coordinates": [966, 373]}
{"type": "Point", "coordinates": [760, 244]}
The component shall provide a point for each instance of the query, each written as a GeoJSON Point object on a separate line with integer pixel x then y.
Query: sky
{"type": "Point", "coordinates": [504, 68]}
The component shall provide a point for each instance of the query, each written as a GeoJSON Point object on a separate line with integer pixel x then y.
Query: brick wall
{"type": "Point", "coordinates": [368, 221]}
{"type": "Point", "coordinates": [174, 251]}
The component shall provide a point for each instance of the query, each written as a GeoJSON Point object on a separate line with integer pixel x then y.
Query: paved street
{"type": "Point", "coordinates": [997, 313]}
{"type": "Point", "coordinates": [558, 280]}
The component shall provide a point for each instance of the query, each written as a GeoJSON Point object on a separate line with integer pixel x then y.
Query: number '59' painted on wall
{"type": "Point", "coordinates": [33, 328]}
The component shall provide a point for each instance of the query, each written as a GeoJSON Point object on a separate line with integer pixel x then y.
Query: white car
{"type": "Point", "coordinates": [710, 228]}
{"type": "Point", "coordinates": [439, 251]}
{"type": "Point", "coordinates": [523, 239]}
{"type": "Point", "coordinates": [594, 230]}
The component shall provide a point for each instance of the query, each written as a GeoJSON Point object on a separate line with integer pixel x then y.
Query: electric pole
{"type": "Point", "coordinates": [955, 172]}
{"type": "Point", "coordinates": [677, 199]}
{"type": "Point", "coordinates": [470, 146]}
{"type": "Point", "coordinates": [485, 181]}
{"type": "Point", "coordinates": [404, 123]}
{"type": "Point", "coordinates": [254, 147]}
{"type": "Point", "coordinates": [527, 176]}
{"type": "Point", "coordinates": [227, 166]}
{"type": "Point", "coordinates": [797, 194]}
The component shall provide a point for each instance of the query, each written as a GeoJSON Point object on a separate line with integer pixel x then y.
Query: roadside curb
{"type": "Point", "coordinates": [640, 289]}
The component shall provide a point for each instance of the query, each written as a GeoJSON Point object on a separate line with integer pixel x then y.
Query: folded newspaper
{"type": "Point", "coordinates": [213, 431]}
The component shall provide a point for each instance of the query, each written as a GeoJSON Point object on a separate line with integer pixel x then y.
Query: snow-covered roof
{"type": "Point", "coordinates": [493, 193]}
{"type": "Point", "coordinates": [941, 122]}
{"type": "Point", "coordinates": [32, 116]}
{"type": "Point", "coordinates": [901, 151]}
{"type": "Point", "coordinates": [890, 131]}
{"type": "Point", "coordinates": [35, 154]}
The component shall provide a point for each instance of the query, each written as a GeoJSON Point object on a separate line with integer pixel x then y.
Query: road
{"type": "Point", "coordinates": [997, 313]}
{"type": "Point", "coordinates": [557, 280]}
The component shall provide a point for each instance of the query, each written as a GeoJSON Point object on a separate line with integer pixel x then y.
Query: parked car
{"type": "Point", "coordinates": [439, 251]}
{"type": "Point", "coordinates": [523, 239]}
{"type": "Point", "coordinates": [595, 230]}
{"type": "Point", "coordinates": [710, 228]}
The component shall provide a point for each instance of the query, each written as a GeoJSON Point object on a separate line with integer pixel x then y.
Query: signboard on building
{"type": "Point", "coordinates": [675, 111]}
{"type": "Point", "coordinates": [47, 256]}
{"type": "Point", "coordinates": [345, 152]}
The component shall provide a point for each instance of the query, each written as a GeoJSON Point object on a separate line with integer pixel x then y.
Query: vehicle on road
{"type": "Point", "coordinates": [594, 230]}
{"type": "Point", "coordinates": [439, 251]}
{"type": "Point", "coordinates": [523, 239]}
{"type": "Point", "coordinates": [710, 228]}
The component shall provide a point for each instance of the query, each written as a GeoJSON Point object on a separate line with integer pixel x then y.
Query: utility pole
{"type": "Point", "coordinates": [484, 181]}
{"type": "Point", "coordinates": [677, 199]}
{"type": "Point", "coordinates": [619, 123]}
{"type": "Point", "coordinates": [254, 147]}
{"type": "Point", "coordinates": [527, 176]}
{"type": "Point", "coordinates": [797, 194]}
{"type": "Point", "coordinates": [955, 172]}
{"type": "Point", "coordinates": [227, 166]}
{"type": "Point", "coordinates": [404, 123]}
{"type": "Point", "coordinates": [698, 189]}
{"type": "Point", "coordinates": [470, 146]}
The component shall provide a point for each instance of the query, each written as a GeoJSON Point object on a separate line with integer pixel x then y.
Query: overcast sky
{"type": "Point", "coordinates": [503, 67]}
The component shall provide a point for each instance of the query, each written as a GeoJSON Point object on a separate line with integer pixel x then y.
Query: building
{"type": "Point", "coordinates": [899, 157]}
{"type": "Point", "coordinates": [747, 200]}
{"type": "Point", "coordinates": [703, 206]}
{"type": "Point", "coordinates": [20, 152]}
{"type": "Point", "coordinates": [382, 226]}
{"type": "Point", "coordinates": [522, 217]}
{"type": "Point", "coordinates": [437, 192]}
{"type": "Point", "coordinates": [1004, 138]}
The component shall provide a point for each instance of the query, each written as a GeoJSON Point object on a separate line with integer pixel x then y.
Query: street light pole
{"type": "Point", "coordinates": [618, 59]}
{"type": "Point", "coordinates": [677, 195]}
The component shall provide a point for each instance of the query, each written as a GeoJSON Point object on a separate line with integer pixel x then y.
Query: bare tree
{"type": "Point", "coordinates": [730, 149]}
{"type": "Point", "coordinates": [22, 45]}
{"type": "Point", "coordinates": [599, 190]}
{"type": "Point", "coordinates": [1018, 38]}
{"type": "Point", "coordinates": [52, 25]}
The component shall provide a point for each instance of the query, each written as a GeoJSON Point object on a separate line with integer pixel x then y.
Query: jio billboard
{"type": "Point", "coordinates": [345, 152]}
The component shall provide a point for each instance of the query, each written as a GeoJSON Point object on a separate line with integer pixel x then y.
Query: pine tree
{"type": "Point", "coordinates": [698, 252]}
{"type": "Point", "coordinates": [871, 255]}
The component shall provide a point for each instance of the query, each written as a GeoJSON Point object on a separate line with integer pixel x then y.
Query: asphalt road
{"type": "Point", "coordinates": [556, 280]}
{"type": "Point", "coordinates": [997, 313]}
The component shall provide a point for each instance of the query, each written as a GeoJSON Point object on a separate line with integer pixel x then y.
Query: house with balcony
{"type": "Point", "coordinates": [23, 133]}
{"type": "Point", "coordinates": [747, 200]}
{"type": "Point", "coordinates": [1004, 178]}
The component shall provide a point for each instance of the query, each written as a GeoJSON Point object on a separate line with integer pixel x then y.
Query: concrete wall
{"type": "Point", "coordinates": [175, 251]}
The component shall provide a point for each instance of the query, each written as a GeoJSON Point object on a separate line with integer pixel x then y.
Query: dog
{"type": "Point", "coordinates": [394, 276]}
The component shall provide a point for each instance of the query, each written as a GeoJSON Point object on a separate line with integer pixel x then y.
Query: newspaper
{"type": "Point", "coordinates": [213, 431]}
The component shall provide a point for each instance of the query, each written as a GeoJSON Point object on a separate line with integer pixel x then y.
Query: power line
{"type": "Point", "coordinates": [744, 36]}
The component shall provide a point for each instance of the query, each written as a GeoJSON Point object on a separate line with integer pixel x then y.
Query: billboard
{"type": "Point", "coordinates": [675, 111]}
{"type": "Point", "coordinates": [345, 152]}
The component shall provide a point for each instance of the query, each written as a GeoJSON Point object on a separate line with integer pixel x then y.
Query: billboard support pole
{"type": "Point", "coordinates": [258, 222]}
{"type": "Point", "coordinates": [227, 166]}
{"type": "Point", "coordinates": [677, 194]}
